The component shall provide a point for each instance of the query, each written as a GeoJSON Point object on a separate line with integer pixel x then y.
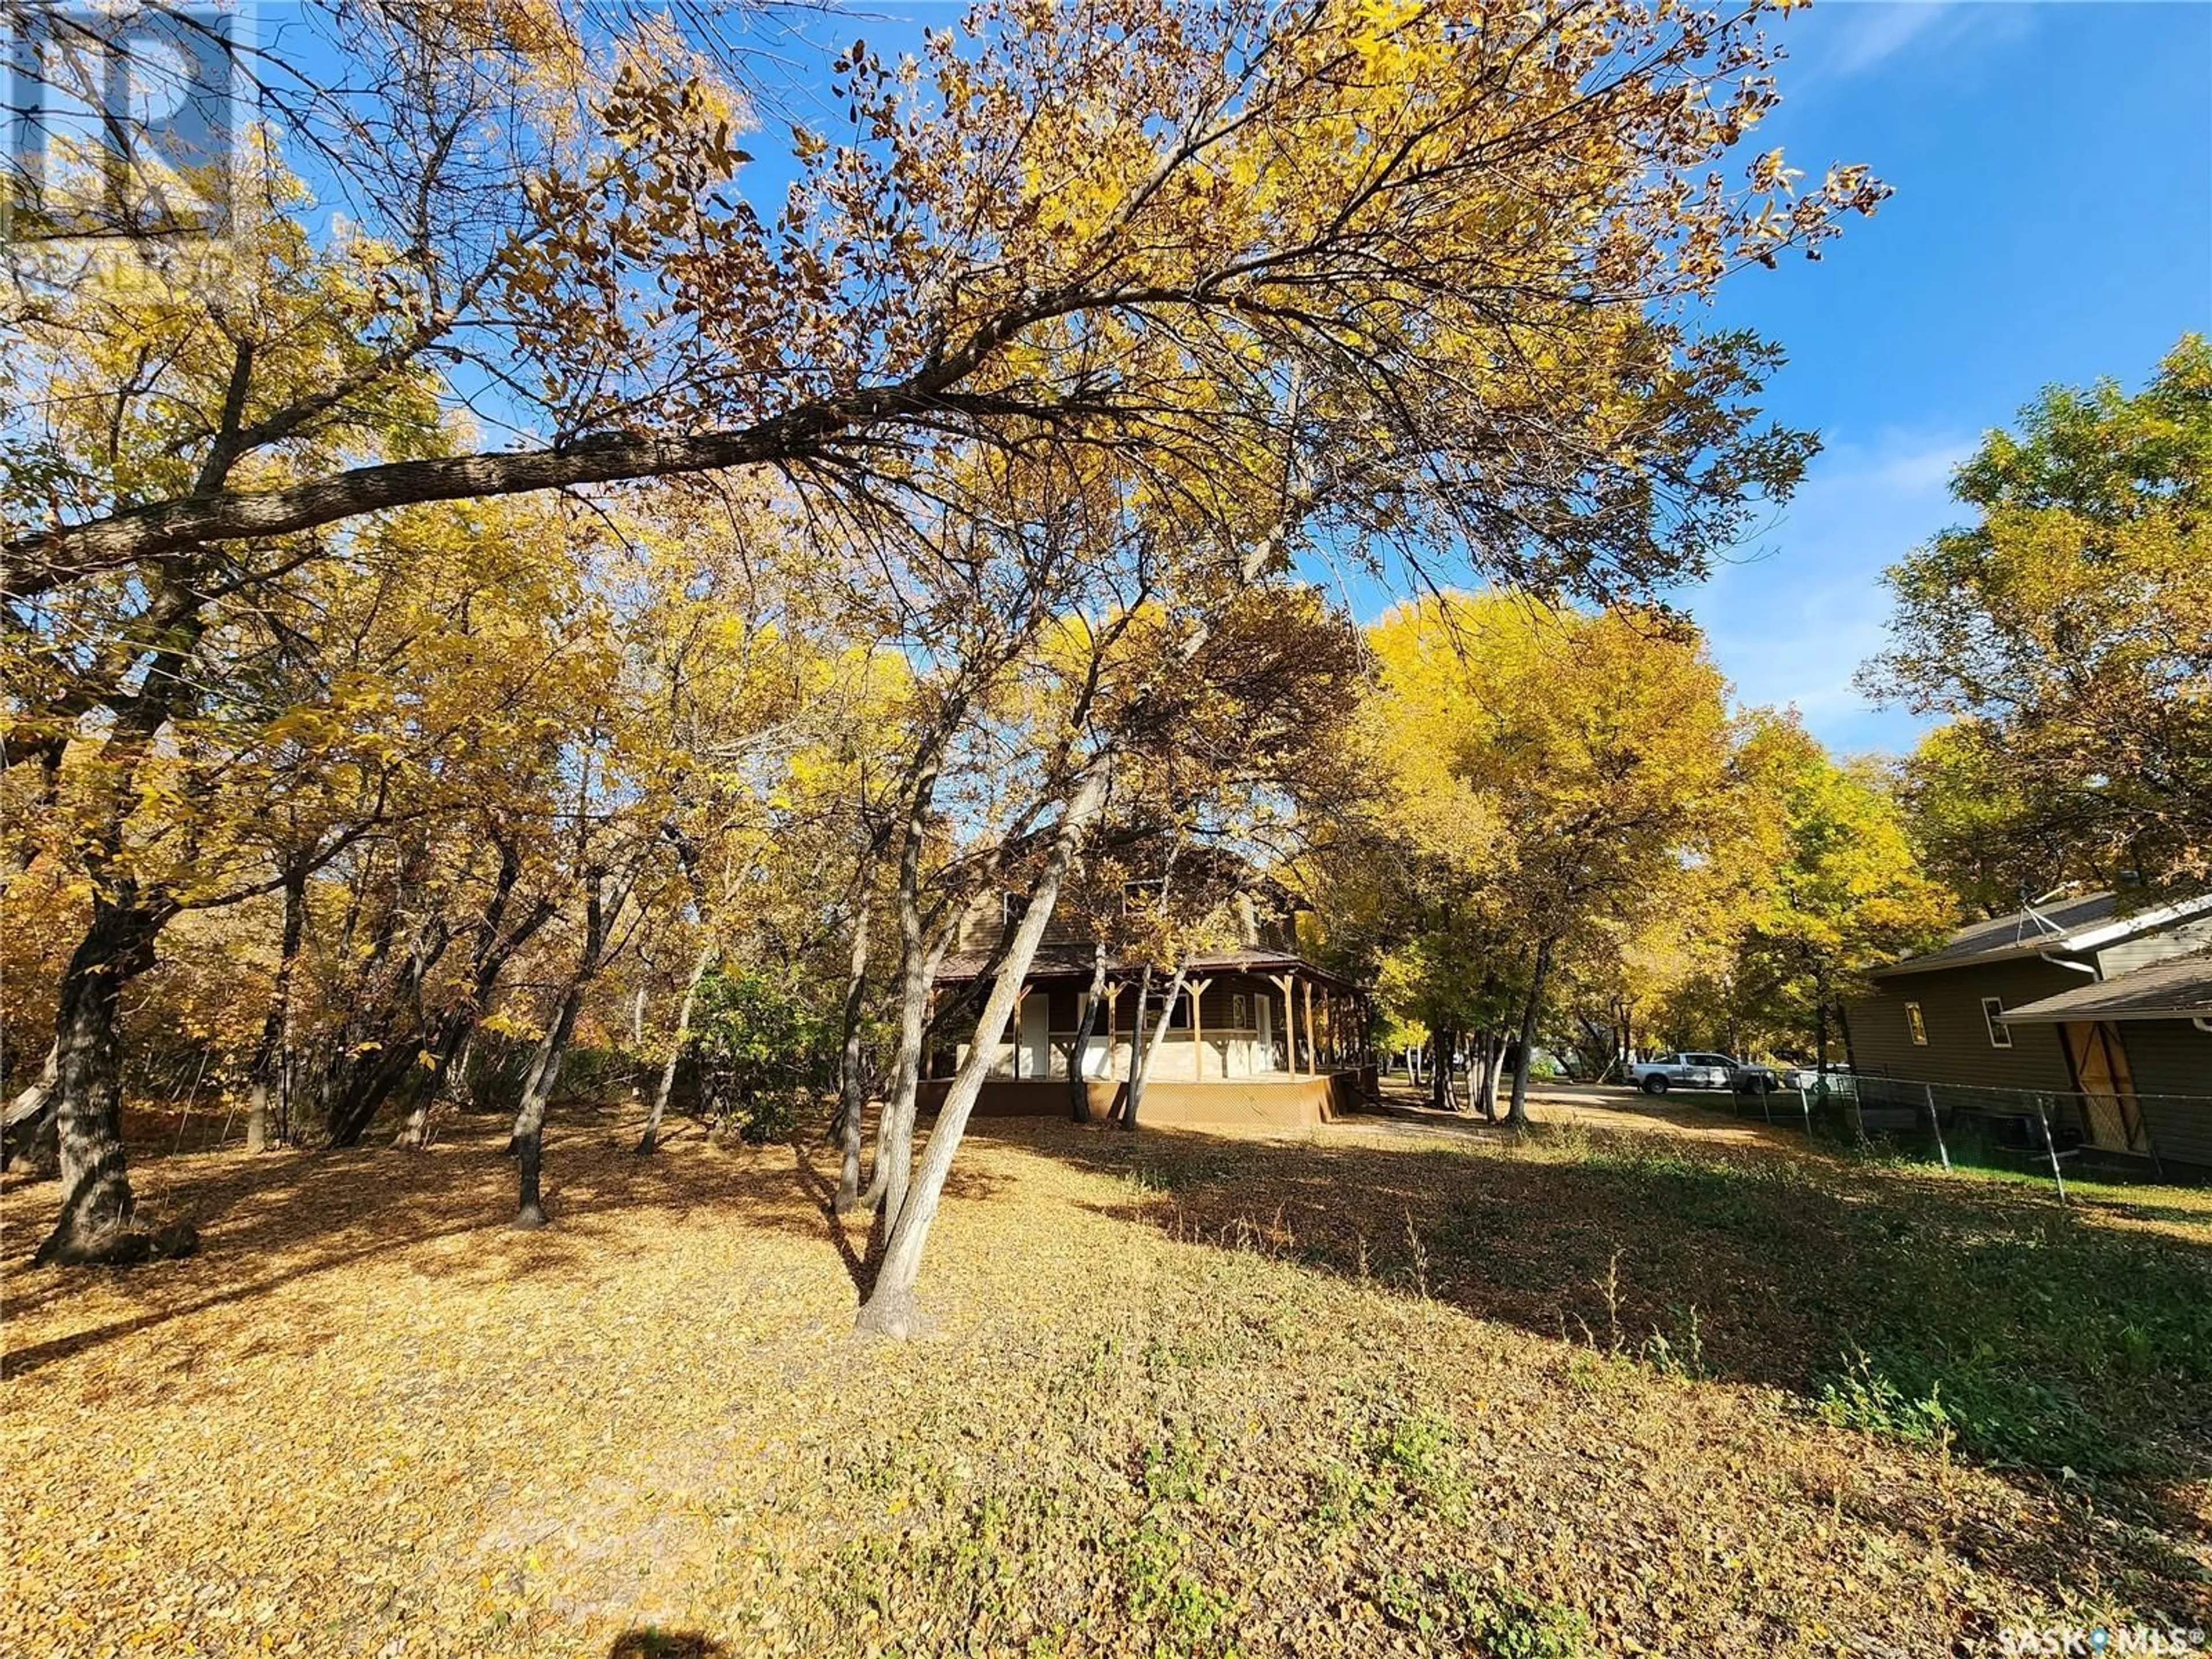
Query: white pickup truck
{"type": "Point", "coordinates": [1661, 1072]}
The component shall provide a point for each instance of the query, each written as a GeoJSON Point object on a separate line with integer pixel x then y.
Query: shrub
{"type": "Point", "coordinates": [759, 1047]}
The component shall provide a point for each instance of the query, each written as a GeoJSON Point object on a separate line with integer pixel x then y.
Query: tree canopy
{"type": "Point", "coordinates": [522, 582]}
{"type": "Point", "coordinates": [2067, 632]}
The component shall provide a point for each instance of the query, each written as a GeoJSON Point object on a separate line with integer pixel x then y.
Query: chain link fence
{"type": "Point", "coordinates": [2043, 1130]}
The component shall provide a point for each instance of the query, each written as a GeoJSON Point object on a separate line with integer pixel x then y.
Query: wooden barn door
{"type": "Point", "coordinates": [2108, 1088]}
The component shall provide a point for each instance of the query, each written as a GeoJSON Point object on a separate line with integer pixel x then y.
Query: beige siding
{"type": "Point", "coordinates": [1231, 1051]}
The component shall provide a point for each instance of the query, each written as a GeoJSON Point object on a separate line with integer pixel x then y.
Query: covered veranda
{"type": "Point", "coordinates": [1251, 1036]}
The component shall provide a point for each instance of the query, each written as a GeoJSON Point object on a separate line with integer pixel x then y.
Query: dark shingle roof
{"type": "Point", "coordinates": [1073, 961]}
{"type": "Point", "coordinates": [2071, 926]}
{"type": "Point", "coordinates": [2021, 933]}
{"type": "Point", "coordinates": [2178, 990]}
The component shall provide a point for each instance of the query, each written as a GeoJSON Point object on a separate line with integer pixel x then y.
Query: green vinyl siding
{"type": "Point", "coordinates": [2171, 1059]}
{"type": "Point", "coordinates": [1958, 1050]}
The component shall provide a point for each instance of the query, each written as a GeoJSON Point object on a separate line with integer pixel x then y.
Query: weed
{"type": "Point", "coordinates": [1416, 1257]}
{"type": "Point", "coordinates": [1454, 1604]}
{"type": "Point", "coordinates": [1684, 1359]}
{"type": "Point", "coordinates": [1865, 1398]}
{"type": "Point", "coordinates": [1348, 1493]}
{"type": "Point", "coordinates": [1421, 1453]}
{"type": "Point", "coordinates": [1176, 1472]}
{"type": "Point", "coordinates": [1609, 1288]}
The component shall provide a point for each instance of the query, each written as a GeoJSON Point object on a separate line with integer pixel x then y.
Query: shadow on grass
{"type": "Point", "coordinates": [651, 1644]}
{"type": "Point", "coordinates": [1971, 1312]}
{"type": "Point", "coordinates": [290, 1214]}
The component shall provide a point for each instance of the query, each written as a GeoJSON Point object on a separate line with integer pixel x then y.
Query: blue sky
{"type": "Point", "coordinates": [2052, 222]}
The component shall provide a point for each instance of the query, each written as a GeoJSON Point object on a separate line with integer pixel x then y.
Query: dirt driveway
{"type": "Point", "coordinates": [1605, 1107]}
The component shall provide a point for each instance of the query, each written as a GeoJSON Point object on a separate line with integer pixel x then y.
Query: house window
{"type": "Point", "coordinates": [1240, 1013]}
{"type": "Point", "coordinates": [1993, 1017]}
{"type": "Point", "coordinates": [1915, 1024]}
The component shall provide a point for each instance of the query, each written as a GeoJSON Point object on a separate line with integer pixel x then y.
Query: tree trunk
{"type": "Point", "coordinates": [1516, 1114]}
{"type": "Point", "coordinates": [851, 1084]}
{"type": "Point", "coordinates": [537, 1093]}
{"type": "Point", "coordinates": [1078, 1087]}
{"type": "Point", "coordinates": [454, 1036]}
{"type": "Point", "coordinates": [651, 1138]}
{"type": "Point", "coordinates": [1140, 1051]}
{"type": "Point", "coordinates": [368, 1084]}
{"type": "Point", "coordinates": [893, 1170]}
{"type": "Point", "coordinates": [1820, 1028]}
{"type": "Point", "coordinates": [28, 1133]}
{"type": "Point", "coordinates": [272, 1060]}
{"type": "Point", "coordinates": [1140, 1061]}
{"type": "Point", "coordinates": [891, 1309]}
{"type": "Point", "coordinates": [1440, 1073]}
{"type": "Point", "coordinates": [529, 1142]}
{"type": "Point", "coordinates": [94, 1225]}
{"type": "Point", "coordinates": [918, 960]}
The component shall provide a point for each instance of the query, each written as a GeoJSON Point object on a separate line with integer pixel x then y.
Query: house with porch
{"type": "Point", "coordinates": [2100, 1011]}
{"type": "Point", "coordinates": [1257, 1035]}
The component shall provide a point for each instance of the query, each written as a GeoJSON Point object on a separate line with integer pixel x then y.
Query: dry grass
{"type": "Point", "coordinates": [1379, 1391]}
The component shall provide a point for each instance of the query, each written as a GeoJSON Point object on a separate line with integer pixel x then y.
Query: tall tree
{"type": "Point", "coordinates": [1820, 881]}
{"type": "Point", "coordinates": [1573, 763]}
{"type": "Point", "coordinates": [2067, 633]}
{"type": "Point", "coordinates": [1056, 219]}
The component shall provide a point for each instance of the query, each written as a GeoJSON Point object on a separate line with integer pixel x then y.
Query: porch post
{"type": "Point", "coordinates": [1313, 1049]}
{"type": "Point", "coordinates": [1197, 989]}
{"type": "Point", "coordinates": [1282, 982]}
{"type": "Point", "coordinates": [1113, 1035]}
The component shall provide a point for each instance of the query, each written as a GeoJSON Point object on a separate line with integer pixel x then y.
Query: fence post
{"type": "Point", "coordinates": [1937, 1124]}
{"type": "Point", "coordinates": [1805, 1105]}
{"type": "Point", "coordinates": [2051, 1147]}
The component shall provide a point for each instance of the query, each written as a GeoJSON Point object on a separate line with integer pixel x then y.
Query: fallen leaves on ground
{"type": "Point", "coordinates": [1186, 1394]}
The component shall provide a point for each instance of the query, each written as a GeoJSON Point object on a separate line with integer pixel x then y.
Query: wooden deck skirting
{"type": "Point", "coordinates": [1285, 1102]}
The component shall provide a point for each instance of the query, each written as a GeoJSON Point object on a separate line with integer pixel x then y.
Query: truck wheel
{"type": "Point", "coordinates": [1655, 1085]}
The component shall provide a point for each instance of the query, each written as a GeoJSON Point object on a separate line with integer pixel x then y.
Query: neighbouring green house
{"type": "Point", "coordinates": [2101, 1013]}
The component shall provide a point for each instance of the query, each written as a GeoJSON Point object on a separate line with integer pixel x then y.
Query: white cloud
{"type": "Point", "coordinates": [1846, 38]}
{"type": "Point", "coordinates": [1865, 34]}
{"type": "Point", "coordinates": [1792, 619]}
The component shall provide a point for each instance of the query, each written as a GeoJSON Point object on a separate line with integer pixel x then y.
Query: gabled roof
{"type": "Point", "coordinates": [2180, 989]}
{"type": "Point", "coordinates": [2065, 927]}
